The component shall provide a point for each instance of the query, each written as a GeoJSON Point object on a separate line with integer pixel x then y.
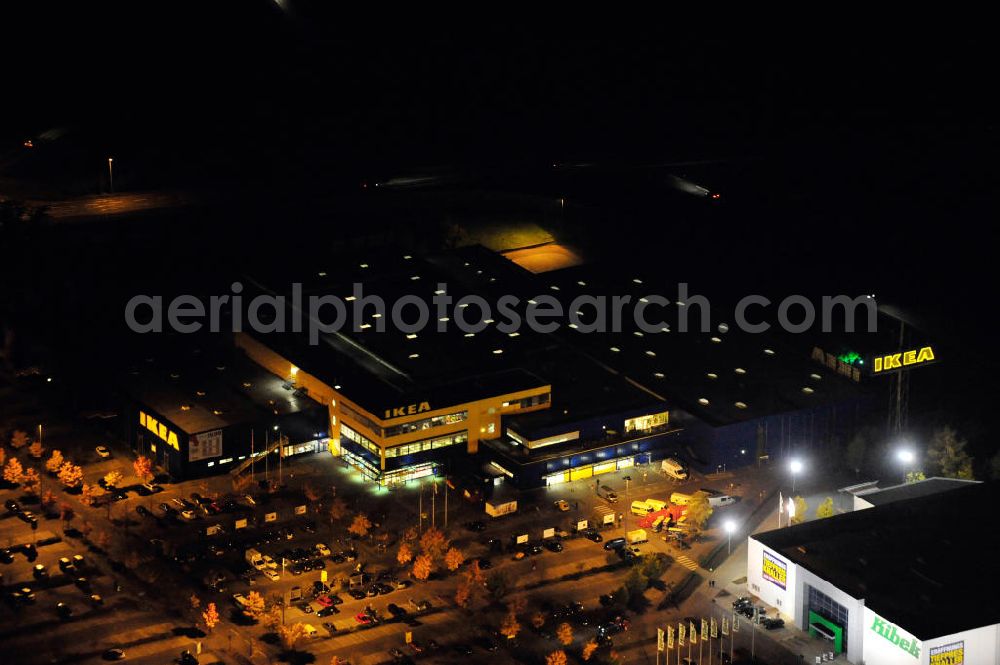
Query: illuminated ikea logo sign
{"type": "Point", "coordinates": [411, 410]}
{"type": "Point", "coordinates": [160, 430]}
{"type": "Point", "coordinates": [904, 359]}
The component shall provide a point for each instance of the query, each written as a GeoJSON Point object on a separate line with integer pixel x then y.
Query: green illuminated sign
{"type": "Point", "coordinates": [889, 632]}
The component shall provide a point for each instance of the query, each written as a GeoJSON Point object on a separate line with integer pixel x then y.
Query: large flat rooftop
{"type": "Point", "coordinates": [914, 561]}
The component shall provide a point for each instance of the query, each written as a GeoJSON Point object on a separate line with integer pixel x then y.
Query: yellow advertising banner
{"type": "Point", "coordinates": [948, 654]}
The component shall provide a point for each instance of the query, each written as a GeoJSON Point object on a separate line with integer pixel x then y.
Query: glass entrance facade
{"type": "Point", "coordinates": [830, 610]}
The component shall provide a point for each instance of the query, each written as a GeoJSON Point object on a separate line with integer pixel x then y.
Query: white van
{"type": "Point", "coordinates": [721, 500]}
{"type": "Point", "coordinates": [674, 469]}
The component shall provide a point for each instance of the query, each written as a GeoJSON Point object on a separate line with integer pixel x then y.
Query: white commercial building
{"type": "Point", "coordinates": [910, 582]}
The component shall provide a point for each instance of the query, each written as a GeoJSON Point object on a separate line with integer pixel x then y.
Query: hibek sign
{"type": "Point", "coordinates": [410, 410]}
{"type": "Point", "coordinates": [891, 633]}
{"type": "Point", "coordinates": [903, 359]}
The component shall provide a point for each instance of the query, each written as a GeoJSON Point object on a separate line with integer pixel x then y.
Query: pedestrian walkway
{"type": "Point", "coordinates": [687, 562]}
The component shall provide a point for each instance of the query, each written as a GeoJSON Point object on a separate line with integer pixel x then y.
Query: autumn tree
{"type": "Point", "coordinates": [564, 633]}
{"type": "Point", "coordinates": [433, 543]}
{"type": "Point", "coordinates": [19, 440]}
{"type": "Point", "coordinates": [411, 535]}
{"type": "Point", "coordinates": [194, 601]}
{"type": "Point", "coordinates": [54, 461]}
{"type": "Point", "coordinates": [3, 455]}
{"type": "Point", "coordinates": [290, 635]}
{"type": "Point", "coordinates": [13, 472]}
{"type": "Point", "coordinates": [48, 499]}
{"type": "Point", "coordinates": [254, 605]}
{"type": "Point", "coordinates": [271, 619]}
{"type": "Point", "coordinates": [142, 466]}
{"type": "Point", "coordinates": [915, 476]}
{"type": "Point", "coordinates": [556, 658]}
{"type": "Point", "coordinates": [405, 554]}
{"type": "Point", "coordinates": [36, 449]}
{"type": "Point", "coordinates": [588, 650]}
{"type": "Point", "coordinates": [422, 567]}
{"type": "Point", "coordinates": [112, 479]}
{"type": "Point", "coordinates": [210, 616]}
{"type": "Point", "coordinates": [31, 482]}
{"type": "Point", "coordinates": [70, 475]}
{"type": "Point", "coordinates": [800, 510]}
{"type": "Point", "coordinates": [453, 559]}
{"type": "Point", "coordinates": [509, 626]}
{"type": "Point", "coordinates": [698, 511]}
{"type": "Point", "coordinates": [360, 526]}
{"type": "Point", "coordinates": [825, 509]}
{"type": "Point", "coordinates": [463, 594]}
{"type": "Point", "coordinates": [90, 494]}
{"type": "Point", "coordinates": [947, 455]}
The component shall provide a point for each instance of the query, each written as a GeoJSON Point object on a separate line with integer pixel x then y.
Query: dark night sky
{"type": "Point", "coordinates": [863, 159]}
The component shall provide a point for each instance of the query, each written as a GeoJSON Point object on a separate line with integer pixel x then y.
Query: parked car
{"type": "Point", "coordinates": [611, 497]}
{"type": "Point", "coordinates": [562, 505]}
{"type": "Point", "coordinates": [103, 452]}
{"type": "Point", "coordinates": [188, 514]}
{"type": "Point", "coordinates": [113, 654]}
{"type": "Point", "coordinates": [272, 575]}
{"type": "Point", "coordinates": [40, 572]}
{"type": "Point", "coordinates": [322, 549]}
{"type": "Point", "coordinates": [66, 565]}
{"type": "Point", "coordinates": [142, 511]}
{"type": "Point", "coordinates": [12, 506]}
{"type": "Point", "coordinates": [772, 623]}
{"type": "Point", "coordinates": [615, 543]}
{"type": "Point", "coordinates": [553, 545]}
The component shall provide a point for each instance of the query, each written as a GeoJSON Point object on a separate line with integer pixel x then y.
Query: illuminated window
{"type": "Point", "coordinates": [427, 444]}
{"type": "Point", "coordinates": [703, 401]}
{"type": "Point", "coordinates": [808, 391]}
{"type": "Point", "coordinates": [647, 422]}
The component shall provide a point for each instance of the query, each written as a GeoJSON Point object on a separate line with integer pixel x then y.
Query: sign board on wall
{"type": "Point", "coordinates": [948, 654]}
{"type": "Point", "coordinates": [212, 530]}
{"type": "Point", "coordinates": [241, 524]}
{"type": "Point", "coordinates": [581, 525]}
{"type": "Point", "coordinates": [895, 362]}
{"type": "Point", "coordinates": [300, 510]}
{"type": "Point", "coordinates": [548, 533]}
{"type": "Point", "coordinates": [774, 570]}
{"type": "Point", "coordinates": [205, 445]}
{"type": "Point", "coordinates": [522, 539]}
{"type": "Point", "coordinates": [271, 517]}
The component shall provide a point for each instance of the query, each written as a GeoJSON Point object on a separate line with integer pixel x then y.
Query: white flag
{"type": "Point", "coordinates": [791, 507]}
{"type": "Point", "coordinates": [781, 504]}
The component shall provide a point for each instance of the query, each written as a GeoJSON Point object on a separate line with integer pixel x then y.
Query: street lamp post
{"type": "Point", "coordinates": [795, 467]}
{"type": "Point", "coordinates": [111, 175]}
{"type": "Point", "coordinates": [730, 527]}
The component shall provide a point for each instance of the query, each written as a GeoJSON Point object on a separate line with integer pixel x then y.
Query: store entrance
{"type": "Point", "coordinates": [826, 618]}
